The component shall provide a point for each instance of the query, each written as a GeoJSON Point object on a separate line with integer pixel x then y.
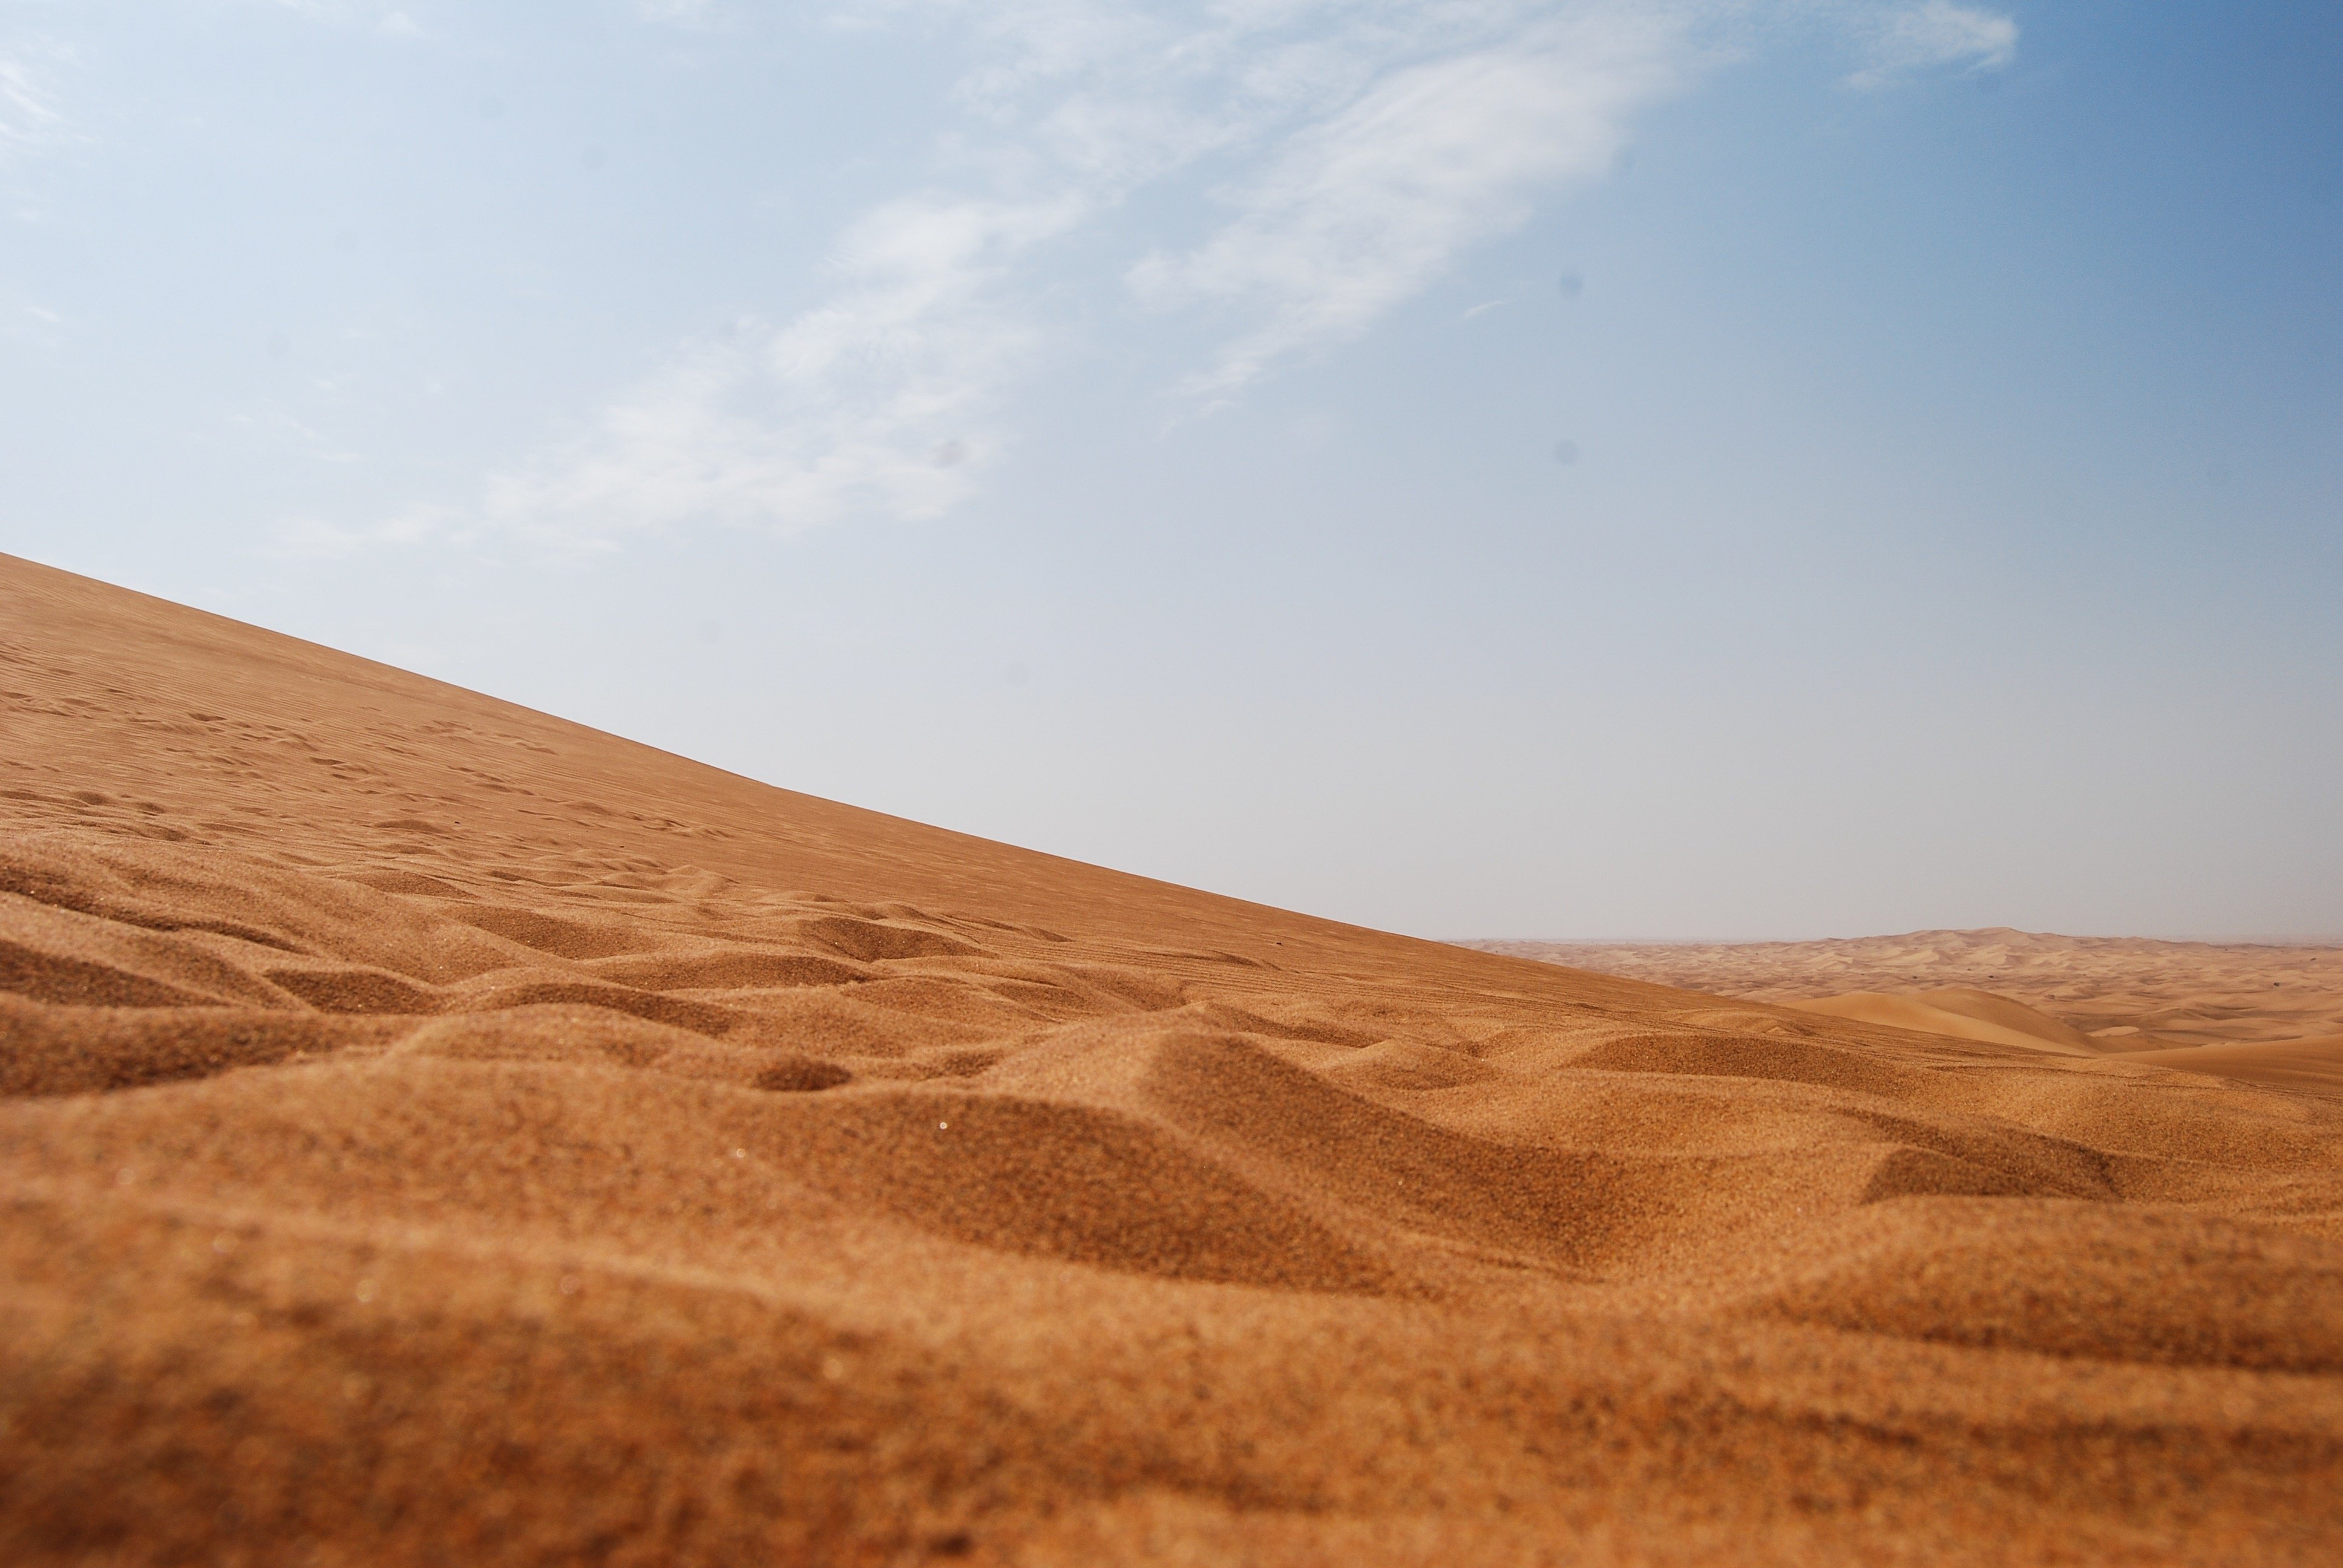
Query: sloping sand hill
{"type": "Point", "coordinates": [435, 1133]}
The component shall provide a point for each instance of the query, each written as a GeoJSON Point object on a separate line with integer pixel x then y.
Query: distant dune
{"type": "Point", "coordinates": [435, 1132]}
{"type": "Point", "coordinates": [2124, 992]}
{"type": "Point", "coordinates": [1962, 1014]}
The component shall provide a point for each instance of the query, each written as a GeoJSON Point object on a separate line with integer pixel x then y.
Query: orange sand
{"type": "Point", "coordinates": [435, 1133]}
{"type": "Point", "coordinates": [1962, 1014]}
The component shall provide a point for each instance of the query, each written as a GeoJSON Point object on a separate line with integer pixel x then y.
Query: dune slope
{"type": "Point", "coordinates": [433, 1132]}
{"type": "Point", "coordinates": [2306, 1066]}
{"type": "Point", "coordinates": [1963, 1014]}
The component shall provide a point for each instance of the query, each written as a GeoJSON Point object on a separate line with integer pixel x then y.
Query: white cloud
{"type": "Point", "coordinates": [1383, 137]}
{"type": "Point", "coordinates": [30, 119]}
{"type": "Point", "coordinates": [1924, 37]}
{"type": "Point", "coordinates": [1356, 149]}
{"type": "Point", "coordinates": [1361, 211]}
{"type": "Point", "coordinates": [875, 403]}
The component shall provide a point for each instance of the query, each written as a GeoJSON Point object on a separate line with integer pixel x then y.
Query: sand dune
{"type": "Point", "coordinates": [1961, 1014]}
{"type": "Point", "coordinates": [433, 1131]}
{"type": "Point", "coordinates": [2307, 1066]}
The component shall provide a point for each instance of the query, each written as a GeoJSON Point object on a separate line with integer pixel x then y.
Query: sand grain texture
{"type": "Point", "coordinates": [433, 1132]}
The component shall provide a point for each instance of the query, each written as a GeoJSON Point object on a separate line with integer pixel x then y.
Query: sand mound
{"type": "Point", "coordinates": [1962, 1014]}
{"type": "Point", "coordinates": [2306, 1066]}
{"type": "Point", "coordinates": [429, 1130]}
{"type": "Point", "coordinates": [2073, 1279]}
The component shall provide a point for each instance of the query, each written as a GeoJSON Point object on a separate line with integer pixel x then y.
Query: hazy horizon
{"type": "Point", "coordinates": [1484, 470]}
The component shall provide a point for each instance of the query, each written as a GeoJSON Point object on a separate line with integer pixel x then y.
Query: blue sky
{"type": "Point", "coordinates": [1470, 468]}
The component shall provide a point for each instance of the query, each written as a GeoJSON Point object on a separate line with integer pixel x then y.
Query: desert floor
{"type": "Point", "coordinates": [433, 1132]}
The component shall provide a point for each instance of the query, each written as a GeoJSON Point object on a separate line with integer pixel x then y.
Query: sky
{"type": "Point", "coordinates": [1699, 470]}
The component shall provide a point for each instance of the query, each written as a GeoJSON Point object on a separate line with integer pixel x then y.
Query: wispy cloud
{"type": "Point", "coordinates": [31, 120]}
{"type": "Point", "coordinates": [1351, 151]}
{"type": "Point", "coordinates": [1361, 211]}
{"type": "Point", "coordinates": [874, 402]}
{"type": "Point", "coordinates": [1372, 143]}
{"type": "Point", "coordinates": [1934, 35]}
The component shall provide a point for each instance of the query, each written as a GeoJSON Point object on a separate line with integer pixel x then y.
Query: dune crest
{"type": "Point", "coordinates": [429, 1128]}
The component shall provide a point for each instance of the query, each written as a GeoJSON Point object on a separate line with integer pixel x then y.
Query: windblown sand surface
{"type": "Point", "coordinates": [435, 1133]}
